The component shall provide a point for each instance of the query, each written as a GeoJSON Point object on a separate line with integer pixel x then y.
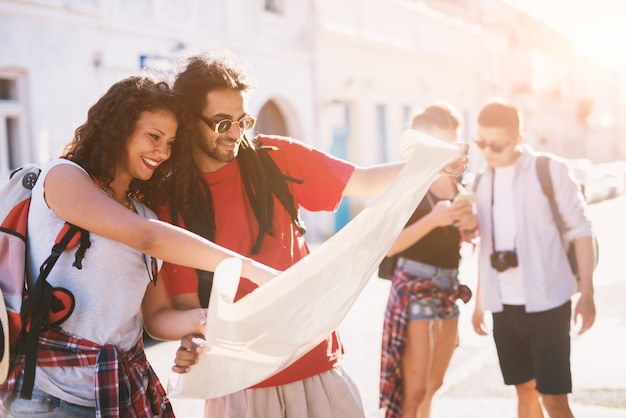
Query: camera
{"type": "Point", "coordinates": [503, 260]}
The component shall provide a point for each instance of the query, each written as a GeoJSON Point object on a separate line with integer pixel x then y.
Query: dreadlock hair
{"type": "Point", "coordinates": [100, 142]}
{"type": "Point", "coordinates": [189, 194]}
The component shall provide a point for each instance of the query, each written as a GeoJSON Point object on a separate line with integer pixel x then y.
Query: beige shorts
{"type": "Point", "coordinates": [331, 394]}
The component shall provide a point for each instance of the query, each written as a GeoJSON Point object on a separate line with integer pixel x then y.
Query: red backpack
{"type": "Point", "coordinates": [28, 309]}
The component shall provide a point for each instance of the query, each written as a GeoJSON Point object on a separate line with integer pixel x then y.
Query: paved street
{"type": "Point", "coordinates": [473, 386]}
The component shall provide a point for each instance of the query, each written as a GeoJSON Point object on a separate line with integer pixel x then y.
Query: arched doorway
{"type": "Point", "coordinates": [270, 120]}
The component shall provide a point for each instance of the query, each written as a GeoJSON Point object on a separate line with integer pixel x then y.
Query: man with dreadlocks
{"type": "Point", "coordinates": [245, 193]}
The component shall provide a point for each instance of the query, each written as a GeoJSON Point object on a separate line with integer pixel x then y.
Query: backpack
{"type": "Point", "coordinates": [387, 267]}
{"type": "Point", "coordinates": [543, 173]}
{"type": "Point", "coordinates": [27, 309]}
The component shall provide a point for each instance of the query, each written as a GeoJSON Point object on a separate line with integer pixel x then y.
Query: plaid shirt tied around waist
{"type": "Point", "coordinates": [404, 289]}
{"type": "Point", "coordinates": [119, 378]}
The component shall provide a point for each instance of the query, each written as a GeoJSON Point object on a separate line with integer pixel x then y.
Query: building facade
{"type": "Point", "coordinates": [341, 75]}
{"type": "Point", "coordinates": [57, 57]}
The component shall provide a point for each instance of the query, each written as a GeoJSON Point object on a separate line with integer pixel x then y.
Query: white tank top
{"type": "Point", "coordinates": [510, 281]}
{"type": "Point", "coordinates": [108, 292]}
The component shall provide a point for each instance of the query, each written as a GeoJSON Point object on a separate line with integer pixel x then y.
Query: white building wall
{"type": "Point", "coordinates": [384, 52]}
{"type": "Point", "coordinates": [311, 59]}
{"type": "Point", "coordinates": [405, 54]}
{"type": "Point", "coordinates": [71, 51]}
{"type": "Point", "coordinates": [70, 55]}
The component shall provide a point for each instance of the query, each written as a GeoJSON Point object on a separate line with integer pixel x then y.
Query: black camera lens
{"type": "Point", "coordinates": [503, 260]}
{"type": "Point", "coordinates": [512, 258]}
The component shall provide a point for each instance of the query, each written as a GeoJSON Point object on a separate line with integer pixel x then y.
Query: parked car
{"type": "Point", "coordinates": [593, 181]}
{"type": "Point", "coordinates": [614, 177]}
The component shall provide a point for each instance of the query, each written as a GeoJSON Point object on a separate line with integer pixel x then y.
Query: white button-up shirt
{"type": "Point", "coordinates": [548, 279]}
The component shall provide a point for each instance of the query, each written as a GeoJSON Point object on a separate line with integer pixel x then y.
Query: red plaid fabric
{"type": "Point", "coordinates": [119, 385]}
{"type": "Point", "coordinates": [406, 288]}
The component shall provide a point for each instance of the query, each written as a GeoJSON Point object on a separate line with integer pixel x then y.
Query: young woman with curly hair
{"type": "Point", "coordinates": [92, 361]}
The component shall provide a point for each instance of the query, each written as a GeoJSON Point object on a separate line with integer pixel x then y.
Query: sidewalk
{"type": "Point", "coordinates": [599, 381]}
{"type": "Point", "coordinates": [475, 390]}
{"type": "Point", "coordinates": [473, 386]}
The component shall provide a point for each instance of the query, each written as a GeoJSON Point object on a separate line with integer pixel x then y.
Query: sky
{"type": "Point", "coordinates": [596, 27]}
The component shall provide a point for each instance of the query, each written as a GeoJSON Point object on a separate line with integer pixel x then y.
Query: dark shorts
{"type": "Point", "coordinates": [535, 346]}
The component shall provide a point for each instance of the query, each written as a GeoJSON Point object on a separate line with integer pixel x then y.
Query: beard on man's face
{"type": "Point", "coordinates": [214, 151]}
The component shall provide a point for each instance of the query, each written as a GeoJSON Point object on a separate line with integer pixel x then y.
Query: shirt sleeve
{"type": "Point", "coordinates": [569, 200]}
{"type": "Point", "coordinates": [320, 177]}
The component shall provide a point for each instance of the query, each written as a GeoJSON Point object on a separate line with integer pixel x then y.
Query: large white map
{"type": "Point", "coordinates": [267, 330]}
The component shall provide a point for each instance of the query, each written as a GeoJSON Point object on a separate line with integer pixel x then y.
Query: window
{"type": "Point", "coordinates": [274, 6]}
{"type": "Point", "coordinates": [14, 146]}
{"type": "Point", "coordinates": [406, 117]}
{"type": "Point", "coordinates": [381, 131]}
{"type": "Point", "coordinates": [8, 90]}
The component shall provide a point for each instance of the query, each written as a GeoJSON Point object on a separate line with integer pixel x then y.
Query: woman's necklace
{"type": "Point", "coordinates": [128, 203]}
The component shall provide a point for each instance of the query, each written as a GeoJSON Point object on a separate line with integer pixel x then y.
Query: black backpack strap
{"type": "Point", "coordinates": [543, 172]}
{"type": "Point", "coordinates": [542, 166]}
{"type": "Point", "coordinates": [37, 304]}
{"type": "Point", "coordinates": [205, 278]}
{"type": "Point", "coordinates": [205, 284]}
{"type": "Point", "coordinates": [84, 243]}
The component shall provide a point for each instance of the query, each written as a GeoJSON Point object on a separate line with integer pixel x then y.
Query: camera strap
{"type": "Point", "coordinates": [493, 224]}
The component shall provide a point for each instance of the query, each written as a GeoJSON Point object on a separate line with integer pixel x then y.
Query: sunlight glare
{"type": "Point", "coordinates": [606, 45]}
{"type": "Point", "coordinates": [595, 27]}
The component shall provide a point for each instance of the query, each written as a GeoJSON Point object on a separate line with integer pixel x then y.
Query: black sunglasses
{"type": "Point", "coordinates": [494, 147]}
{"type": "Point", "coordinates": [153, 270]}
{"type": "Point", "coordinates": [222, 126]}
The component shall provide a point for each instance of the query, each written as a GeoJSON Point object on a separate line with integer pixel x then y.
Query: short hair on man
{"type": "Point", "coordinates": [499, 113]}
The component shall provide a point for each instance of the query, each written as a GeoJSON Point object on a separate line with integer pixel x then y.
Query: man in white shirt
{"type": "Point", "coordinates": [525, 279]}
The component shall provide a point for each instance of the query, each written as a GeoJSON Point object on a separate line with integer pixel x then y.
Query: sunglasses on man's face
{"type": "Point", "coordinates": [494, 147]}
{"type": "Point", "coordinates": [222, 126]}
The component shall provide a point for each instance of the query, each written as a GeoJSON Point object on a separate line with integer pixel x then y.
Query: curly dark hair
{"type": "Point", "coordinates": [99, 143]}
{"type": "Point", "coordinates": [189, 195]}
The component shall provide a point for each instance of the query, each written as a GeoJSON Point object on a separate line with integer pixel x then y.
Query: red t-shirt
{"type": "Point", "coordinates": [324, 179]}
